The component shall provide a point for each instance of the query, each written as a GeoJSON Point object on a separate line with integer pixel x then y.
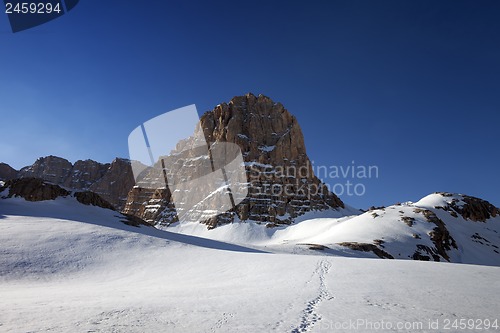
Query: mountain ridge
{"type": "Point", "coordinates": [112, 181]}
{"type": "Point", "coordinates": [442, 227]}
{"type": "Point", "coordinates": [438, 227]}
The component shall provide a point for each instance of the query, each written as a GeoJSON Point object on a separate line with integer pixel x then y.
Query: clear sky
{"type": "Point", "coordinates": [412, 87]}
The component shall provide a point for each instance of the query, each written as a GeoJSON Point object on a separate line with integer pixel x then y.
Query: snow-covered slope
{"type": "Point", "coordinates": [67, 267]}
{"type": "Point", "coordinates": [440, 227]}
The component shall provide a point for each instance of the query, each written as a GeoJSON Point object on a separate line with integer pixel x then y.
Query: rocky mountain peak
{"type": "Point", "coordinates": [85, 173]}
{"type": "Point", "coordinates": [281, 182]}
{"type": "Point", "coordinates": [7, 172]}
{"type": "Point", "coordinates": [115, 183]}
{"type": "Point", "coordinates": [112, 181]}
{"type": "Point", "coordinates": [50, 168]}
{"type": "Point", "coordinates": [262, 128]}
{"type": "Point", "coordinates": [470, 208]}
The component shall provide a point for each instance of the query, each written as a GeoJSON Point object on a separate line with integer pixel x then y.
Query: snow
{"type": "Point", "coordinates": [258, 236]}
{"type": "Point", "coordinates": [478, 243]}
{"type": "Point", "coordinates": [437, 200]}
{"type": "Point", "coordinates": [66, 267]}
{"type": "Point", "coordinates": [261, 165]}
{"type": "Point", "coordinates": [267, 148]}
{"type": "Point", "coordinates": [197, 158]}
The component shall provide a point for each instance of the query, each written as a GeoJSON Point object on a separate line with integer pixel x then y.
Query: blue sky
{"type": "Point", "coordinates": [409, 86]}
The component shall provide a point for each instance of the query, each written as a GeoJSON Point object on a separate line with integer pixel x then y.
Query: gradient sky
{"type": "Point", "coordinates": [412, 87]}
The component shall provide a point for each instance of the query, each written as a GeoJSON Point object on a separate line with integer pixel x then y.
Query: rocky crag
{"type": "Point", "coordinates": [281, 182]}
{"type": "Point", "coordinates": [36, 189]}
{"type": "Point", "coordinates": [7, 172]}
{"type": "Point", "coordinates": [112, 181]}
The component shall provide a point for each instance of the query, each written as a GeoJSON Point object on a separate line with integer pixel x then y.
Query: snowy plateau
{"type": "Point", "coordinates": [70, 267]}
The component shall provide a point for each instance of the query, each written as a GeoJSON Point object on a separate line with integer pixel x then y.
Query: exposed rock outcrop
{"type": "Point", "coordinates": [92, 199]}
{"type": "Point", "coordinates": [7, 172]}
{"type": "Point", "coordinates": [471, 208]}
{"type": "Point", "coordinates": [51, 169]}
{"type": "Point", "coordinates": [440, 236]}
{"type": "Point", "coordinates": [36, 189]}
{"type": "Point", "coordinates": [281, 181]}
{"type": "Point", "coordinates": [366, 247]}
{"type": "Point", "coordinates": [85, 173]}
{"type": "Point", "coordinates": [115, 184]}
{"type": "Point", "coordinates": [33, 189]}
{"type": "Point", "coordinates": [112, 181]}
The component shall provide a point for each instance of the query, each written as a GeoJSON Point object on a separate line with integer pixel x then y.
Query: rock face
{"type": "Point", "coordinates": [51, 168]}
{"type": "Point", "coordinates": [281, 182]}
{"type": "Point", "coordinates": [440, 237]}
{"type": "Point", "coordinates": [92, 199]}
{"type": "Point", "coordinates": [7, 172]}
{"type": "Point", "coordinates": [115, 184]}
{"type": "Point", "coordinates": [85, 173]}
{"type": "Point", "coordinates": [470, 208]}
{"type": "Point", "coordinates": [111, 181]}
{"type": "Point", "coordinates": [34, 189]}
